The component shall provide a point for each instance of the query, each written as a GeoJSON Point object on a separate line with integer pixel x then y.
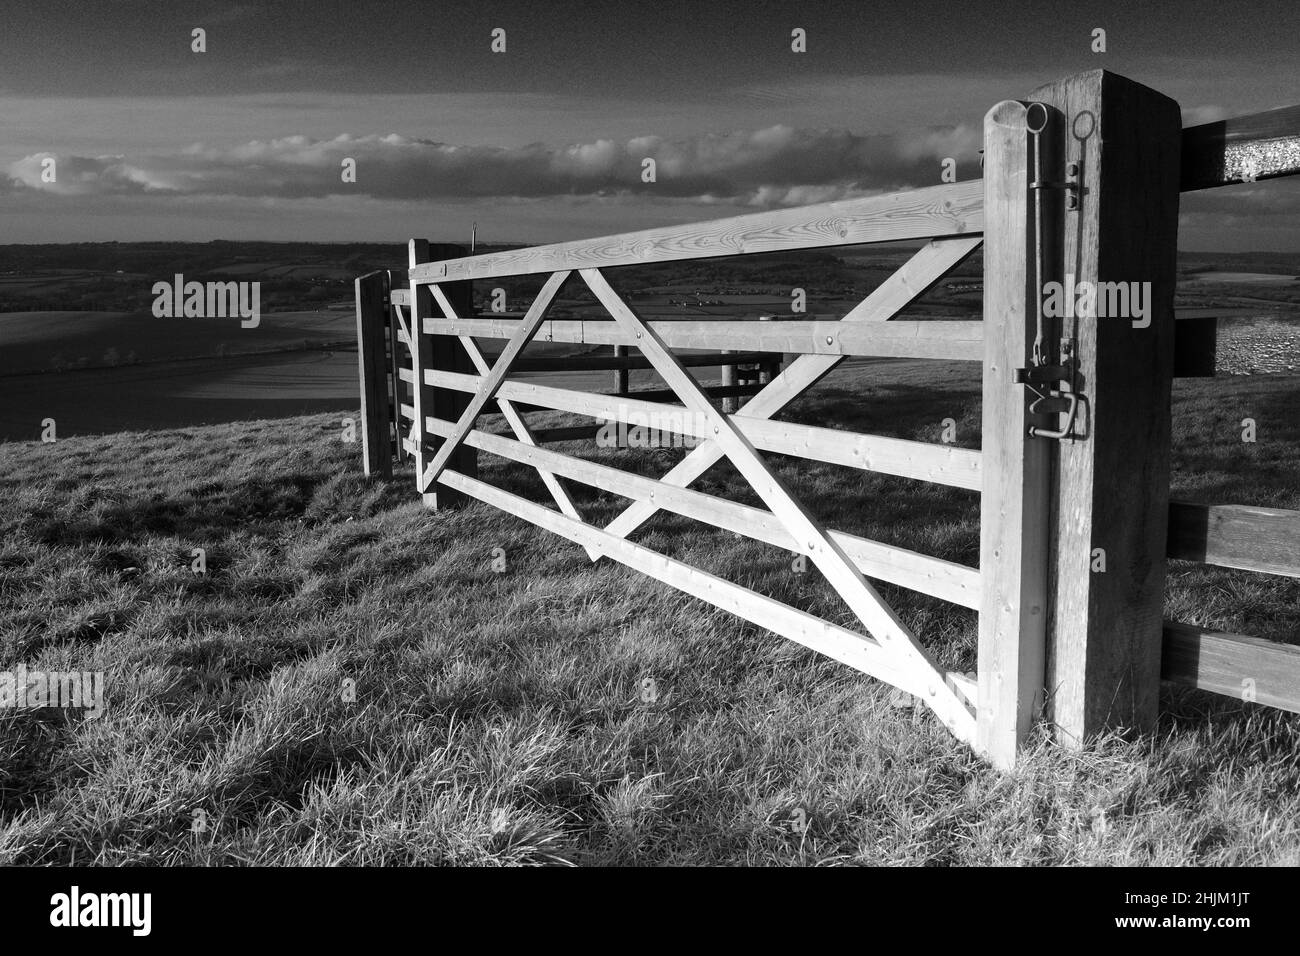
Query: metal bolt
{"type": "Point", "coordinates": [1072, 170]}
{"type": "Point", "coordinates": [1071, 201]}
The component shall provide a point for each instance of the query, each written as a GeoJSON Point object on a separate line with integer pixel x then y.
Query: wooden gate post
{"type": "Point", "coordinates": [399, 358]}
{"type": "Point", "coordinates": [730, 404]}
{"type": "Point", "coordinates": [1111, 485]}
{"type": "Point", "coordinates": [372, 373]}
{"type": "Point", "coordinates": [1015, 467]}
{"type": "Point", "coordinates": [443, 352]}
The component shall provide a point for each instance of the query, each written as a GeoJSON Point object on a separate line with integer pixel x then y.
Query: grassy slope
{"type": "Point", "coordinates": [499, 717]}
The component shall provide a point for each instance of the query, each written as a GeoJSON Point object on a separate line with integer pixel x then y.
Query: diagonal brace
{"type": "Point", "coordinates": [514, 348]}
{"type": "Point", "coordinates": [919, 273]}
{"type": "Point", "coordinates": [515, 420]}
{"type": "Point", "coordinates": [878, 618]}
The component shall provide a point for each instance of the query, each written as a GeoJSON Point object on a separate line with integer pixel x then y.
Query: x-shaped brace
{"type": "Point", "coordinates": [876, 615]}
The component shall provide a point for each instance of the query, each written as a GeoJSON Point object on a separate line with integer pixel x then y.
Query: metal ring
{"type": "Point", "coordinates": [1036, 118]}
{"type": "Point", "coordinates": [1089, 124]}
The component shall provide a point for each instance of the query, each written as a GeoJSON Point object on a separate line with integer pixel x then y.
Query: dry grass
{"type": "Point", "coordinates": [502, 718]}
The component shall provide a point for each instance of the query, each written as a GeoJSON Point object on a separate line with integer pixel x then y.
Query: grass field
{"type": "Point", "coordinates": [504, 718]}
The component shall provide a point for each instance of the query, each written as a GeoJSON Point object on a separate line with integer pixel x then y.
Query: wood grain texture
{"type": "Point", "coordinates": [581, 363]}
{"type": "Point", "coordinates": [1247, 668]}
{"type": "Point", "coordinates": [1236, 536]}
{"type": "Point", "coordinates": [948, 210]}
{"type": "Point", "coordinates": [1112, 485]}
{"type": "Point", "coordinates": [953, 341]}
{"type": "Point", "coordinates": [1015, 468]}
{"type": "Point", "coordinates": [945, 340]}
{"type": "Point", "coordinates": [1263, 145]}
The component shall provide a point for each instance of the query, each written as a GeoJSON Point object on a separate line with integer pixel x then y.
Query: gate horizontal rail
{"type": "Point", "coordinates": [954, 341]}
{"type": "Point", "coordinates": [1246, 538]}
{"type": "Point", "coordinates": [942, 464]}
{"type": "Point", "coordinates": [956, 209]}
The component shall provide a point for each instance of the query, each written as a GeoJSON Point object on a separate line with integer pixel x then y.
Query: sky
{"type": "Point", "coordinates": [546, 141]}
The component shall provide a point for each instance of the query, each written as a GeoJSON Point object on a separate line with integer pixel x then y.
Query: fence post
{"type": "Point", "coordinates": [729, 403]}
{"type": "Point", "coordinates": [771, 368]}
{"type": "Point", "coordinates": [372, 373]}
{"type": "Point", "coordinates": [399, 358]}
{"type": "Point", "coordinates": [1015, 467]}
{"type": "Point", "coordinates": [620, 374]}
{"type": "Point", "coordinates": [1111, 488]}
{"type": "Point", "coordinates": [445, 353]}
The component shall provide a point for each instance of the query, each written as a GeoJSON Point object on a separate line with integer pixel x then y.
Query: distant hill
{"type": "Point", "coordinates": [54, 341]}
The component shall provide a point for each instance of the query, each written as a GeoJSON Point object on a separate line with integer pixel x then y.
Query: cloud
{"type": "Point", "coordinates": [770, 166]}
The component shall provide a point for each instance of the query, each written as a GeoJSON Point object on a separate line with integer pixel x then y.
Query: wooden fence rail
{"type": "Point", "coordinates": [1059, 475]}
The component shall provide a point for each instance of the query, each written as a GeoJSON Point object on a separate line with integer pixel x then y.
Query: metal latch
{"type": "Point", "coordinates": [1041, 375]}
{"type": "Point", "coordinates": [1053, 384]}
{"type": "Point", "coordinates": [1054, 393]}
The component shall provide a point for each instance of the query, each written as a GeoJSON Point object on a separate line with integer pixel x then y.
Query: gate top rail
{"type": "Point", "coordinates": [953, 209]}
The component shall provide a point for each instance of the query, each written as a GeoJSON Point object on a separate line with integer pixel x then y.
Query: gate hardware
{"type": "Point", "coordinates": [1072, 199]}
{"type": "Point", "coordinates": [1040, 375]}
{"type": "Point", "coordinates": [1052, 385]}
{"type": "Point", "coordinates": [1062, 400]}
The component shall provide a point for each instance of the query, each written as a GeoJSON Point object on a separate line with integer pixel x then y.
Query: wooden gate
{"type": "Point", "coordinates": [1066, 407]}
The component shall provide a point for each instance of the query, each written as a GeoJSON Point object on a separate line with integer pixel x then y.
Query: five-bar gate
{"type": "Point", "coordinates": [1081, 183]}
